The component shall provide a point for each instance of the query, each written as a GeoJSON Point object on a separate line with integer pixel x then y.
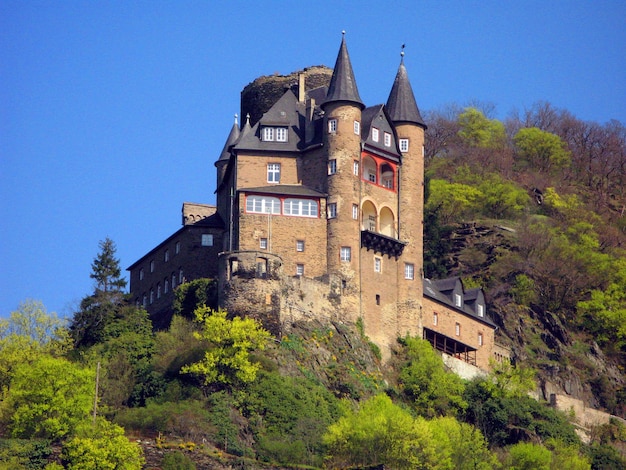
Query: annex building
{"type": "Point", "coordinates": [319, 215]}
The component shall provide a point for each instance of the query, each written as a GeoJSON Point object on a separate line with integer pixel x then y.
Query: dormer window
{"type": "Point", "coordinates": [387, 139]}
{"type": "Point", "coordinates": [375, 134]}
{"type": "Point", "coordinates": [458, 300]}
{"type": "Point", "coordinates": [480, 310]}
{"type": "Point", "coordinates": [281, 134]}
{"type": "Point", "coordinates": [268, 134]}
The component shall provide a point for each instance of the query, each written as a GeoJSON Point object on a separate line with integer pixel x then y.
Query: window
{"type": "Point", "coordinates": [299, 269]}
{"type": "Point", "coordinates": [409, 271]}
{"type": "Point", "coordinates": [387, 139]}
{"type": "Point", "coordinates": [166, 286]}
{"type": "Point", "coordinates": [435, 318]}
{"type": "Point", "coordinates": [480, 339]}
{"type": "Point", "coordinates": [404, 145]}
{"type": "Point", "coordinates": [332, 210]}
{"type": "Point", "coordinates": [332, 167]}
{"type": "Point", "coordinates": [173, 281]}
{"type": "Point", "coordinates": [355, 167]}
{"type": "Point", "coordinates": [207, 239]}
{"type": "Point", "coordinates": [273, 172]}
{"type": "Point", "coordinates": [263, 243]}
{"type": "Point", "coordinates": [357, 127]}
{"type": "Point", "coordinates": [268, 134]}
{"type": "Point", "coordinates": [166, 256]}
{"type": "Point", "coordinates": [375, 134]}
{"type": "Point", "coordinates": [457, 329]}
{"type": "Point", "coordinates": [281, 134]}
{"type": "Point", "coordinates": [300, 207]}
{"type": "Point", "coordinates": [299, 245]}
{"type": "Point", "coordinates": [151, 296]}
{"type": "Point", "coordinates": [180, 276]}
{"type": "Point", "coordinates": [263, 205]}
{"type": "Point", "coordinates": [377, 299]}
{"type": "Point", "coordinates": [372, 223]}
{"type": "Point", "coordinates": [480, 309]}
{"type": "Point", "coordinates": [332, 126]}
{"type": "Point", "coordinates": [355, 211]}
{"type": "Point", "coordinates": [158, 291]}
{"type": "Point", "coordinates": [141, 274]}
{"type": "Point", "coordinates": [371, 176]}
{"type": "Point", "coordinates": [378, 265]}
{"type": "Point", "coordinates": [457, 300]}
{"type": "Point", "coordinates": [177, 247]}
{"type": "Point", "coordinates": [151, 266]}
{"type": "Point", "coordinates": [144, 301]}
{"type": "Point", "coordinates": [346, 253]}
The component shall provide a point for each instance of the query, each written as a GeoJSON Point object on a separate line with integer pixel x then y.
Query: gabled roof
{"type": "Point", "coordinates": [401, 104]}
{"type": "Point", "coordinates": [342, 84]}
{"type": "Point", "coordinates": [376, 116]}
{"type": "Point", "coordinates": [438, 290]}
{"type": "Point", "coordinates": [286, 112]}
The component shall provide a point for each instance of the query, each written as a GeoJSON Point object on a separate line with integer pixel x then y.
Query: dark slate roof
{"type": "Point", "coordinates": [286, 112]}
{"type": "Point", "coordinates": [436, 291]}
{"type": "Point", "coordinates": [342, 85]}
{"type": "Point", "coordinates": [230, 141]}
{"type": "Point", "coordinates": [284, 190]}
{"type": "Point", "coordinates": [401, 104]}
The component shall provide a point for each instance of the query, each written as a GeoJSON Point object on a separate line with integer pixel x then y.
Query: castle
{"type": "Point", "coordinates": [319, 215]}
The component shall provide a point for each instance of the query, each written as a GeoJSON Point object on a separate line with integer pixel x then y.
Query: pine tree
{"type": "Point", "coordinates": [106, 269]}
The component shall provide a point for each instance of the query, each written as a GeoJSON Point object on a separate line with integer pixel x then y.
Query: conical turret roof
{"type": "Point", "coordinates": [342, 84]}
{"type": "Point", "coordinates": [230, 141]}
{"type": "Point", "coordinates": [401, 104]}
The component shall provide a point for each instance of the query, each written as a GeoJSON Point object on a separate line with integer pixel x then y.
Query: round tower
{"type": "Point", "coordinates": [410, 128]}
{"type": "Point", "coordinates": [342, 142]}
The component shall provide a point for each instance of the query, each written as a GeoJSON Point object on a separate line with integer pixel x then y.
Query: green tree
{"type": "Point", "coordinates": [101, 446]}
{"type": "Point", "coordinates": [480, 131]}
{"type": "Point", "coordinates": [48, 397]}
{"type": "Point", "coordinates": [194, 294]}
{"type": "Point", "coordinates": [566, 456]}
{"type": "Point", "coordinates": [510, 381]}
{"type": "Point", "coordinates": [227, 361]}
{"type": "Point", "coordinates": [432, 390]}
{"type": "Point", "coordinates": [28, 333]}
{"type": "Point", "coordinates": [106, 269]}
{"type": "Point", "coordinates": [380, 432]}
{"type": "Point", "coordinates": [454, 201]}
{"type": "Point", "coordinates": [528, 456]}
{"type": "Point", "coordinates": [542, 149]}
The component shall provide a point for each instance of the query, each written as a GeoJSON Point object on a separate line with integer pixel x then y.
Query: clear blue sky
{"type": "Point", "coordinates": [113, 112]}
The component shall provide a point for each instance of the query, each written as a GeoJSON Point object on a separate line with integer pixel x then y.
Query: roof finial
{"type": "Point", "coordinates": [248, 118]}
{"type": "Point", "coordinates": [402, 52]}
{"type": "Point", "coordinates": [236, 116]}
{"type": "Point", "coordinates": [343, 33]}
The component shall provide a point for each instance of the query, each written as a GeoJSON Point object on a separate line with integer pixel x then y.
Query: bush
{"type": "Point", "coordinates": [177, 461]}
{"type": "Point", "coordinates": [24, 453]}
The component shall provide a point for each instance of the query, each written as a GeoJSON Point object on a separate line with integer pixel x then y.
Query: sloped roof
{"type": "Point", "coordinates": [383, 124]}
{"type": "Point", "coordinates": [401, 104]}
{"type": "Point", "coordinates": [230, 141]}
{"type": "Point", "coordinates": [342, 84]}
{"type": "Point", "coordinates": [284, 190]}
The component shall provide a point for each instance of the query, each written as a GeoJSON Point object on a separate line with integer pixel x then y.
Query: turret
{"type": "Point", "coordinates": [409, 126]}
{"type": "Point", "coordinates": [342, 141]}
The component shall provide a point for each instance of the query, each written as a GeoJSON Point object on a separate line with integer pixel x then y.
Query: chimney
{"type": "Point", "coordinates": [301, 88]}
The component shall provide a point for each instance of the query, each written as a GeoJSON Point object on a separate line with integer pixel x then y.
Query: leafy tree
{"type": "Point", "coordinates": [48, 398]}
{"type": "Point", "coordinates": [227, 361]}
{"type": "Point", "coordinates": [542, 149]}
{"type": "Point", "coordinates": [480, 131]}
{"type": "Point", "coordinates": [194, 294]}
{"type": "Point", "coordinates": [380, 432]}
{"type": "Point", "coordinates": [27, 334]}
{"type": "Point", "coordinates": [454, 201]}
{"type": "Point", "coordinates": [510, 381]}
{"type": "Point", "coordinates": [431, 389]}
{"type": "Point", "coordinates": [500, 198]}
{"type": "Point", "coordinates": [528, 456]}
{"type": "Point", "coordinates": [566, 456]}
{"type": "Point", "coordinates": [106, 269]}
{"type": "Point", "coordinates": [101, 446]}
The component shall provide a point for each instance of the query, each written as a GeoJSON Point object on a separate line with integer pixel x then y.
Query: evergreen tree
{"type": "Point", "coordinates": [106, 268]}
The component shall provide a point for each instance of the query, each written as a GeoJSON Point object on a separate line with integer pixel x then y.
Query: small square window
{"type": "Point", "coordinates": [141, 274]}
{"type": "Point", "coordinates": [346, 253]}
{"type": "Point", "coordinates": [207, 239]}
{"type": "Point", "coordinates": [404, 145]}
{"type": "Point", "coordinates": [166, 256]}
{"type": "Point", "coordinates": [457, 329]}
{"type": "Point", "coordinates": [299, 245]}
{"type": "Point", "coordinates": [378, 265]}
{"type": "Point", "coordinates": [480, 339]}
{"type": "Point", "coordinates": [377, 299]}
{"type": "Point", "coordinates": [332, 167]}
{"type": "Point", "coordinates": [371, 176]}
{"type": "Point", "coordinates": [263, 243]}
{"type": "Point", "coordinates": [357, 127]}
{"type": "Point", "coordinates": [281, 134]}
{"type": "Point", "coordinates": [166, 286]}
{"type": "Point", "coordinates": [180, 277]}
{"type": "Point", "coordinates": [409, 271]}
{"type": "Point", "coordinates": [273, 172]}
{"type": "Point", "coordinates": [375, 134]}
{"type": "Point", "coordinates": [355, 211]}
{"type": "Point", "coordinates": [435, 319]}
{"type": "Point", "coordinates": [299, 269]}
{"type": "Point", "coordinates": [332, 126]}
{"type": "Point", "coordinates": [355, 167]}
{"type": "Point", "coordinates": [151, 266]}
{"type": "Point", "coordinates": [151, 296]}
{"type": "Point", "coordinates": [158, 291]}
{"type": "Point", "coordinates": [177, 247]}
{"type": "Point", "coordinates": [387, 139]}
{"type": "Point", "coordinates": [332, 210]}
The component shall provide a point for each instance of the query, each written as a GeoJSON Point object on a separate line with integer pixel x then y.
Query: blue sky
{"type": "Point", "coordinates": [112, 113]}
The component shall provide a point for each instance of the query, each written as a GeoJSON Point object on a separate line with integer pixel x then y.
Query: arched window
{"type": "Point", "coordinates": [387, 222]}
{"type": "Point", "coordinates": [370, 170]}
{"type": "Point", "coordinates": [369, 216]}
{"type": "Point", "coordinates": [387, 176]}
